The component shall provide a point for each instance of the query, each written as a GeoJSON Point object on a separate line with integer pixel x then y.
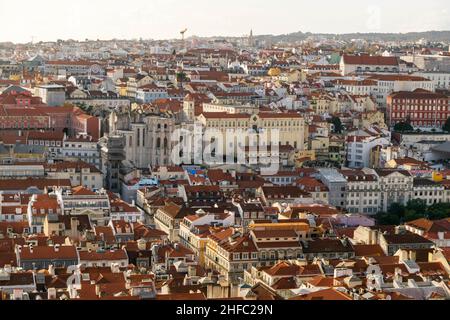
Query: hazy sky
{"type": "Point", "coordinates": [161, 19]}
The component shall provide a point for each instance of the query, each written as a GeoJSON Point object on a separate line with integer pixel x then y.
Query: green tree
{"type": "Point", "coordinates": [387, 219]}
{"type": "Point", "coordinates": [181, 78]}
{"type": "Point", "coordinates": [417, 205]}
{"type": "Point", "coordinates": [438, 211]}
{"type": "Point", "coordinates": [397, 209]}
{"type": "Point", "coordinates": [446, 127]}
{"type": "Point", "coordinates": [415, 209]}
{"type": "Point", "coordinates": [403, 127]}
{"type": "Point", "coordinates": [394, 216]}
{"type": "Point", "coordinates": [338, 127]}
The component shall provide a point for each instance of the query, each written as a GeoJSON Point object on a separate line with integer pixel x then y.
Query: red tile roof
{"type": "Point", "coordinates": [103, 255]}
{"type": "Point", "coordinates": [48, 252]}
{"type": "Point", "coordinates": [370, 60]}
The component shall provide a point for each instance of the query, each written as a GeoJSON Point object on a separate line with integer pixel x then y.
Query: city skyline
{"type": "Point", "coordinates": [164, 19]}
{"type": "Point", "coordinates": [224, 157]}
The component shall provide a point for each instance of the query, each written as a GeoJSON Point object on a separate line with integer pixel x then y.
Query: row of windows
{"type": "Point", "coordinates": [417, 101]}
{"type": "Point", "coordinates": [442, 116]}
{"type": "Point", "coordinates": [365, 202]}
{"type": "Point", "coordinates": [246, 124]}
{"type": "Point", "coordinates": [420, 108]}
{"type": "Point", "coordinates": [245, 256]}
{"type": "Point", "coordinates": [44, 143]}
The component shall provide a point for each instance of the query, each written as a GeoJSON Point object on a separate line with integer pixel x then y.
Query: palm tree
{"type": "Point", "coordinates": [181, 78]}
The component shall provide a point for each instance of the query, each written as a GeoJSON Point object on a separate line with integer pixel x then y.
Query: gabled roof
{"type": "Point", "coordinates": [48, 252]}
{"type": "Point", "coordinates": [327, 294]}
{"type": "Point", "coordinates": [408, 238]}
{"type": "Point", "coordinates": [368, 250]}
{"type": "Point", "coordinates": [176, 211]}
{"type": "Point", "coordinates": [264, 293]}
{"type": "Point", "coordinates": [370, 60]}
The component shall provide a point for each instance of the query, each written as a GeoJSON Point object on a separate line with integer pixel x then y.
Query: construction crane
{"type": "Point", "coordinates": [182, 33]}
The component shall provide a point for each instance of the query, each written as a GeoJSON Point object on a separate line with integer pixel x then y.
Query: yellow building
{"type": "Point", "coordinates": [320, 146]}
{"type": "Point", "coordinates": [369, 119]}
{"type": "Point", "coordinates": [301, 228]}
{"type": "Point", "coordinates": [303, 156]}
{"type": "Point", "coordinates": [438, 176]}
{"type": "Point", "coordinates": [197, 239]}
{"type": "Point", "coordinates": [23, 153]}
{"type": "Point", "coordinates": [290, 126]}
{"type": "Point", "coordinates": [15, 77]}
{"type": "Point", "coordinates": [337, 149]}
{"type": "Point", "coordinates": [274, 72]}
{"type": "Point", "coordinates": [231, 253]}
{"type": "Point", "coordinates": [123, 91]}
{"type": "Point", "coordinates": [321, 105]}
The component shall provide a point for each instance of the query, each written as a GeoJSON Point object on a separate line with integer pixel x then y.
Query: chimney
{"type": "Point", "coordinates": [97, 291]}
{"type": "Point", "coordinates": [51, 294]}
{"type": "Point", "coordinates": [17, 294]}
{"type": "Point", "coordinates": [398, 275]}
{"type": "Point", "coordinates": [51, 270]}
{"type": "Point", "coordinates": [413, 255]}
{"type": "Point", "coordinates": [74, 223]}
{"type": "Point", "coordinates": [192, 271]}
{"type": "Point", "coordinates": [142, 245]}
{"type": "Point", "coordinates": [115, 268]}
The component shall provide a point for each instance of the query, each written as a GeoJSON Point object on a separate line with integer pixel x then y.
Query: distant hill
{"type": "Point", "coordinates": [434, 36]}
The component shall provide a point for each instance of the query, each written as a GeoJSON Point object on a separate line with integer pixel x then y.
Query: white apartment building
{"type": "Point", "coordinates": [388, 83]}
{"type": "Point", "coordinates": [441, 80]}
{"type": "Point", "coordinates": [367, 64]}
{"type": "Point", "coordinates": [361, 147]}
{"type": "Point", "coordinates": [150, 93]}
{"type": "Point", "coordinates": [82, 148]}
{"type": "Point", "coordinates": [363, 191]}
{"type": "Point", "coordinates": [52, 94]}
{"type": "Point", "coordinates": [379, 86]}
{"type": "Point", "coordinates": [84, 202]}
{"type": "Point", "coordinates": [79, 173]}
{"type": "Point", "coordinates": [429, 191]}
{"type": "Point", "coordinates": [123, 211]}
{"type": "Point", "coordinates": [396, 187]}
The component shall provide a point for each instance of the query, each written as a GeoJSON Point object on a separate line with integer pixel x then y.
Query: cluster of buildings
{"type": "Point", "coordinates": [94, 204]}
